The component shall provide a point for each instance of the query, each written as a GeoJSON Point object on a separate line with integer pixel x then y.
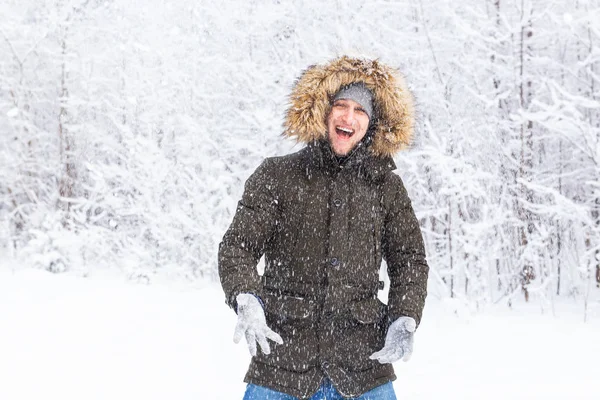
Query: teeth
{"type": "Point", "coordinates": [347, 130]}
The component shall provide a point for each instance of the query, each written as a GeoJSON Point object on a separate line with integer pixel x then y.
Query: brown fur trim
{"type": "Point", "coordinates": [310, 102]}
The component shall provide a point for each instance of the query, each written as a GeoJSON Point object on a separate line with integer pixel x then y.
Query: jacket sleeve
{"type": "Point", "coordinates": [404, 252]}
{"type": "Point", "coordinates": [247, 237]}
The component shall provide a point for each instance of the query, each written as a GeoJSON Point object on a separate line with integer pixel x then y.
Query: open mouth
{"type": "Point", "coordinates": [345, 132]}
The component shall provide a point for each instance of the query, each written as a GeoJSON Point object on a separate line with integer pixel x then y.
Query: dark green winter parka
{"type": "Point", "coordinates": [324, 229]}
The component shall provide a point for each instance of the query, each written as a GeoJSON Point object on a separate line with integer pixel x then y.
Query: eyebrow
{"type": "Point", "coordinates": [358, 107]}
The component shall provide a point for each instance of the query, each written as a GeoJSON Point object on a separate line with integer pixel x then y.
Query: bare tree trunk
{"type": "Point", "coordinates": [493, 56]}
{"type": "Point", "coordinates": [68, 174]}
{"type": "Point", "coordinates": [596, 211]}
{"type": "Point", "coordinates": [596, 216]}
{"type": "Point", "coordinates": [597, 273]}
{"type": "Point", "coordinates": [558, 224]}
{"type": "Point", "coordinates": [526, 157]}
{"type": "Point", "coordinates": [451, 258]}
{"type": "Point", "coordinates": [497, 82]}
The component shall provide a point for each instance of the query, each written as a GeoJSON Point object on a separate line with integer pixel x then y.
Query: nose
{"type": "Point", "coordinates": [348, 116]}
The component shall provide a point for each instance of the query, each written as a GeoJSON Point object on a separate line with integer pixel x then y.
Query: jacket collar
{"type": "Point", "coordinates": [361, 161]}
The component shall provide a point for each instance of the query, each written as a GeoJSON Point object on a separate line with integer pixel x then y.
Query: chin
{"type": "Point", "coordinates": [338, 150]}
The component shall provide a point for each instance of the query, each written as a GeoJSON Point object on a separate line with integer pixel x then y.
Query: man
{"type": "Point", "coordinates": [324, 218]}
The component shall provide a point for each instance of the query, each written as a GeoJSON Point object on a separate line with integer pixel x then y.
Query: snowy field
{"type": "Point", "coordinates": [65, 337]}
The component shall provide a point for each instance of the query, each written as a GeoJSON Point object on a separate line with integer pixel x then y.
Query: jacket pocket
{"type": "Point", "coordinates": [364, 335]}
{"type": "Point", "coordinates": [284, 309]}
{"type": "Point", "coordinates": [368, 311]}
{"type": "Point", "coordinates": [293, 318]}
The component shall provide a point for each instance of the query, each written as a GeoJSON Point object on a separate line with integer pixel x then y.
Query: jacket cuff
{"type": "Point", "coordinates": [394, 315]}
{"type": "Point", "coordinates": [232, 302]}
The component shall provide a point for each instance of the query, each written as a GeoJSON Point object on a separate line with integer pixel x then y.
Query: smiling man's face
{"type": "Point", "coordinates": [347, 124]}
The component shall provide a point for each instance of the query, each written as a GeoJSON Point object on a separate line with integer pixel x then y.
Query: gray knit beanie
{"type": "Point", "coordinates": [358, 92]}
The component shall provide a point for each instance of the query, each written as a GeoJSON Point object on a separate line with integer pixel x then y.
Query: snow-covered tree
{"type": "Point", "coordinates": [127, 130]}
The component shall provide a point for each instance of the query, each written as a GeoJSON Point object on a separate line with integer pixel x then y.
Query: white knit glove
{"type": "Point", "coordinates": [252, 324]}
{"type": "Point", "coordinates": [398, 342]}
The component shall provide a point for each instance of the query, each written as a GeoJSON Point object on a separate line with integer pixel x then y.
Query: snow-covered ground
{"type": "Point", "coordinates": [65, 337]}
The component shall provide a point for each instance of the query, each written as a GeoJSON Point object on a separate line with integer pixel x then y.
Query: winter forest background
{"type": "Point", "coordinates": [127, 130]}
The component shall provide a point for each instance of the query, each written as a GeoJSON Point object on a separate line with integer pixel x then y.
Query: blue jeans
{"type": "Point", "coordinates": [326, 392]}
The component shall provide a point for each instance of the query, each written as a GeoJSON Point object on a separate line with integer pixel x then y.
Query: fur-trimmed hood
{"type": "Point", "coordinates": [310, 102]}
